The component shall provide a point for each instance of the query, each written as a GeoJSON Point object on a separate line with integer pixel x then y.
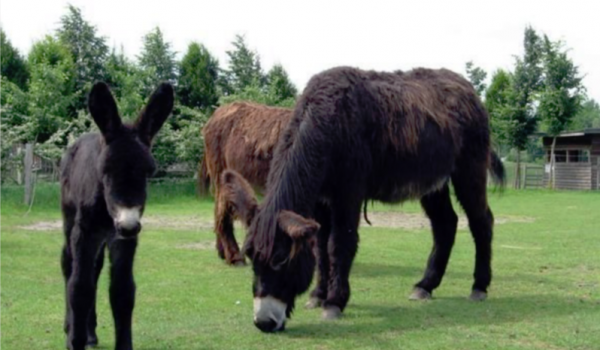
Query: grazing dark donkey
{"type": "Point", "coordinates": [103, 183]}
{"type": "Point", "coordinates": [240, 136]}
{"type": "Point", "coordinates": [355, 136]}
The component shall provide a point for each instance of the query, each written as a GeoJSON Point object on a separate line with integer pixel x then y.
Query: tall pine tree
{"type": "Point", "coordinates": [14, 66]}
{"type": "Point", "coordinates": [88, 49]}
{"type": "Point", "coordinates": [562, 93]}
{"type": "Point", "coordinates": [157, 59]}
{"type": "Point", "coordinates": [197, 81]}
{"type": "Point", "coordinates": [244, 68]}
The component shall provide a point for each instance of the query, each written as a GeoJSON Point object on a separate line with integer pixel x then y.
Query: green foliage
{"type": "Point", "coordinates": [158, 59]}
{"type": "Point", "coordinates": [518, 116]}
{"type": "Point", "coordinates": [14, 66]}
{"type": "Point", "coordinates": [14, 107]}
{"type": "Point", "coordinates": [588, 116]}
{"type": "Point", "coordinates": [127, 84]}
{"type": "Point", "coordinates": [198, 75]}
{"type": "Point", "coordinates": [88, 50]}
{"type": "Point", "coordinates": [561, 96]}
{"type": "Point", "coordinates": [180, 139]}
{"type": "Point", "coordinates": [279, 91]}
{"type": "Point", "coordinates": [477, 77]}
{"type": "Point", "coordinates": [496, 96]}
{"type": "Point", "coordinates": [279, 84]}
{"type": "Point", "coordinates": [257, 94]}
{"type": "Point", "coordinates": [50, 88]}
{"type": "Point", "coordinates": [244, 68]}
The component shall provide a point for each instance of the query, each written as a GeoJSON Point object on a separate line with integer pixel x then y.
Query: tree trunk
{"type": "Point", "coordinates": [28, 173]}
{"type": "Point", "coordinates": [551, 183]}
{"type": "Point", "coordinates": [518, 170]}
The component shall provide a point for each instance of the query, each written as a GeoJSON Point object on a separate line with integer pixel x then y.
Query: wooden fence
{"type": "Point", "coordinates": [568, 176]}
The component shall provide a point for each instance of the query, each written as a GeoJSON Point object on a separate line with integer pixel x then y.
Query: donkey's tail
{"type": "Point", "coordinates": [497, 170]}
{"type": "Point", "coordinates": [203, 178]}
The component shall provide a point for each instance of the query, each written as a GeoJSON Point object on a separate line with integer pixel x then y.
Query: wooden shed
{"type": "Point", "coordinates": [577, 160]}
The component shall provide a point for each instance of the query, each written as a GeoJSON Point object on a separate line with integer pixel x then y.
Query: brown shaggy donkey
{"type": "Point", "coordinates": [239, 136]}
{"type": "Point", "coordinates": [355, 136]}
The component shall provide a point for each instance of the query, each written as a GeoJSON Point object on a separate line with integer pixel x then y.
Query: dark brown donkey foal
{"type": "Point", "coordinates": [103, 188]}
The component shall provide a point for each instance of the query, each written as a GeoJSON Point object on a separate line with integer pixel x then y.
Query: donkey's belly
{"type": "Point", "coordinates": [410, 190]}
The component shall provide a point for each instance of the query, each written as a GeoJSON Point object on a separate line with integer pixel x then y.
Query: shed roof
{"type": "Point", "coordinates": [573, 133]}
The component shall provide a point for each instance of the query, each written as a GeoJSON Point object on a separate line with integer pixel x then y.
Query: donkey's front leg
{"type": "Point", "coordinates": [80, 288]}
{"type": "Point", "coordinates": [342, 247]}
{"type": "Point", "coordinates": [319, 294]}
{"type": "Point", "coordinates": [122, 289]}
{"type": "Point", "coordinates": [92, 321]}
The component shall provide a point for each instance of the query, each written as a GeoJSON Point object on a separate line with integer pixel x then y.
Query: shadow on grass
{"type": "Point", "coordinates": [368, 319]}
{"type": "Point", "coordinates": [376, 270]}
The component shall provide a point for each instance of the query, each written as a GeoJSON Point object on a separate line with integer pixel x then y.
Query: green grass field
{"type": "Point", "coordinates": [545, 293]}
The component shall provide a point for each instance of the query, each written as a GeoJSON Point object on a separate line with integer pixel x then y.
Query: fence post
{"type": "Point", "coordinates": [28, 173]}
{"type": "Point", "coordinates": [525, 176]}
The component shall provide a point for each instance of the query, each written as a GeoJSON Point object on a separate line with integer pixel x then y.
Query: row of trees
{"type": "Point", "coordinates": [43, 97]}
{"type": "Point", "coordinates": [543, 93]}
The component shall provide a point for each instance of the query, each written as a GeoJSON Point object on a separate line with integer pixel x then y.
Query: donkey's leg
{"type": "Point", "coordinates": [92, 339]}
{"type": "Point", "coordinates": [122, 289]}
{"type": "Point", "coordinates": [80, 287]}
{"type": "Point", "coordinates": [219, 241]}
{"type": "Point", "coordinates": [470, 187]}
{"type": "Point", "coordinates": [342, 247]}
{"type": "Point", "coordinates": [66, 263]}
{"type": "Point", "coordinates": [323, 217]}
{"type": "Point", "coordinates": [438, 208]}
{"type": "Point", "coordinates": [66, 258]}
{"type": "Point", "coordinates": [224, 231]}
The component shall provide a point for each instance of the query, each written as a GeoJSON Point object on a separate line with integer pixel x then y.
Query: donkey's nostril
{"type": "Point", "coordinates": [266, 325]}
{"type": "Point", "coordinates": [130, 231]}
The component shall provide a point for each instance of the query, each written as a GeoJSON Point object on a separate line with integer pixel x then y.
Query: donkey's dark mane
{"type": "Point", "coordinates": [294, 180]}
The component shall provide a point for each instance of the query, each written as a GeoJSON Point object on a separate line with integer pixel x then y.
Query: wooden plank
{"type": "Point", "coordinates": [28, 173]}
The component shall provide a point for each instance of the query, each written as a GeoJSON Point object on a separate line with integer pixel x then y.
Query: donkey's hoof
{"type": "Point", "coordinates": [477, 295]}
{"type": "Point", "coordinates": [313, 303]}
{"type": "Point", "coordinates": [238, 263]}
{"type": "Point", "coordinates": [420, 294]}
{"type": "Point", "coordinates": [332, 313]}
{"type": "Point", "coordinates": [92, 340]}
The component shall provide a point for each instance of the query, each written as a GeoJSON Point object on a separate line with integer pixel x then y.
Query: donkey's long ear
{"type": "Point", "coordinates": [156, 112]}
{"type": "Point", "coordinates": [300, 230]}
{"type": "Point", "coordinates": [103, 109]}
{"type": "Point", "coordinates": [297, 226]}
{"type": "Point", "coordinates": [236, 194]}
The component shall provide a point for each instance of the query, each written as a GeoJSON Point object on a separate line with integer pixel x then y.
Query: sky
{"type": "Point", "coordinates": [309, 36]}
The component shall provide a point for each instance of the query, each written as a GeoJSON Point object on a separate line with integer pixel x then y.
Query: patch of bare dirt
{"type": "Point", "coordinates": [43, 226]}
{"type": "Point", "coordinates": [420, 221]}
{"type": "Point", "coordinates": [197, 246]}
{"type": "Point", "coordinates": [378, 219]}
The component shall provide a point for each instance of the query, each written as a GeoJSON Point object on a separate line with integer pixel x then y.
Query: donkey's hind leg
{"type": "Point", "coordinates": [471, 193]}
{"type": "Point", "coordinates": [438, 208]}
